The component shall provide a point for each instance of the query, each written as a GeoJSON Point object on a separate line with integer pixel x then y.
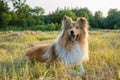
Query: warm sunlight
{"type": "Point", "coordinates": [59, 40]}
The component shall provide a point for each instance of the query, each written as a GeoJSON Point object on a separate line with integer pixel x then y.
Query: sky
{"type": "Point", "coordinates": [92, 5]}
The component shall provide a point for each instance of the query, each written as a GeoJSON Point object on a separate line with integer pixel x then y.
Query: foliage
{"type": "Point", "coordinates": [98, 18]}
{"type": "Point", "coordinates": [26, 17]}
{"type": "Point", "coordinates": [57, 16]}
{"type": "Point", "coordinates": [48, 27]}
{"type": "Point", "coordinates": [5, 16]}
{"type": "Point", "coordinates": [113, 19]}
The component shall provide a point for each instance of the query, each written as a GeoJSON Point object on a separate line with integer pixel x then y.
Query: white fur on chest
{"type": "Point", "coordinates": [70, 57]}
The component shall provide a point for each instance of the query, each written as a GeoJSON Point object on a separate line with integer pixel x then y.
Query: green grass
{"type": "Point", "coordinates": [104, 53]}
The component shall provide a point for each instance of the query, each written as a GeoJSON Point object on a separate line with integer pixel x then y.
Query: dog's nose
{"type": "Point", "coordinates": [72, 32]}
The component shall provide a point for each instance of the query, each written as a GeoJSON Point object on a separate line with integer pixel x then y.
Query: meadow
{"type": "Point", "coordinates": [104, 53]}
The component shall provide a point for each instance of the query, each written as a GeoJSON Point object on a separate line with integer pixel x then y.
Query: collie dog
{"type": "Point", "coordinates": [71, 46]}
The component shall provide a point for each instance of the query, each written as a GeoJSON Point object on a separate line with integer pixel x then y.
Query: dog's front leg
{"type": "Point", "coordinates": [70, 70]}
{"type": "Point", "coordinates": [81, 70]}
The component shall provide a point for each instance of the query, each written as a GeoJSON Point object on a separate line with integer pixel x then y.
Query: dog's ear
{"type": "Point", "coordinates": [66, 21]}
{"type": "Point", "coordinates": [82, 21]}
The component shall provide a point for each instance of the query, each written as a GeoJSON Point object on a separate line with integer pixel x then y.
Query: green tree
{"type": "Point", "coordinates": [82, 14]}
{"type": "Point", "coordinates": [31, 21]}
{"type": "Point", "coordinates": [5, 16]}
{"type": "Point", "coordinates": [14, 18]}
{"type": "Point", "coordinates": [85, 12]}
{"type": "Point", "coordinates": [5, 19]}
{"type": "Point", "coordinates": [18, 4]}
{"type": "Point", "coordinates": [37, 12]}
{"type": "Point", "coordinates": [117, 22]}
{"type": "Point", "coordinates": [58, 15]}
{"type": "Point", "coordinates": [98, 17]}
{"type": "Point", "coordinates": [23, 12]}
{"type": "Point", "coordinates": [19, 9]}
{"type": "Point", "coordinates": [112, 20]}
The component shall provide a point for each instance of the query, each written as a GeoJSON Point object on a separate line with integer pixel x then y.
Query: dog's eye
{"type": "Point", "coordinates": [77, 27]}
{"type": "Point", "coordinates": [70, 27]}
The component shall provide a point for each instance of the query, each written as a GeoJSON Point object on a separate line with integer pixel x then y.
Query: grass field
{"type": "Point", "coordinates": [104, 53]}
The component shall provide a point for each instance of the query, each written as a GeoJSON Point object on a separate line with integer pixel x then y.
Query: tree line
{"type": "Point", "coordinates": [24, 17]}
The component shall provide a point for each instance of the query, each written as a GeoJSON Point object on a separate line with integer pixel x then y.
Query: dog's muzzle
{"type": "Point", "coordinates": [73, 37]}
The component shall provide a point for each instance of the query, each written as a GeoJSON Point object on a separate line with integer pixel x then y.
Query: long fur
{"type": "Point", "coordinates": [63, 48]}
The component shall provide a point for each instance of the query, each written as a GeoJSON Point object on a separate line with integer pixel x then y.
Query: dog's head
{"type": "Point", "coordinates": [74, 29]}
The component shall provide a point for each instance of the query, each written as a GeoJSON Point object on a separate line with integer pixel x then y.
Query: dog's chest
{"type": "Point", "coordinates": [70, 57]}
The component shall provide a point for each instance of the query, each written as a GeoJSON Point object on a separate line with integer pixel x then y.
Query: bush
{"type": "Point", "coordinates": [48, 27]}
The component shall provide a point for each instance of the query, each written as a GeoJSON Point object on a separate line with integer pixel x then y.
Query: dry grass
{"type": "Point", "coordinates": [104, 51]}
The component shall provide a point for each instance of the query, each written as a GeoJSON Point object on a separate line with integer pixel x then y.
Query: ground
{"type": "Point", "coordinates": [104, 53]}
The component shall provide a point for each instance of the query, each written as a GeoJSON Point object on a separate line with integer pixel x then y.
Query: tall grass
{"type": "Point", "coordinates": [104, 52]}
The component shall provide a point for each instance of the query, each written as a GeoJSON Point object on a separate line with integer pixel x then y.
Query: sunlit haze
{"type": "Point", "coordinates": [92, 5]}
